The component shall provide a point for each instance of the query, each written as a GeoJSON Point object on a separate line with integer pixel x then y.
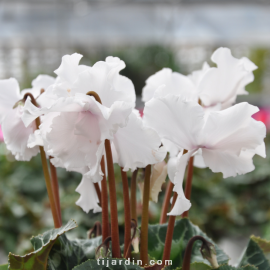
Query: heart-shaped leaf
{"type": "Point", "coordinates": [183, 231]}
{"type": "Point", "coordinates": [43, 244]}
{"type": "Point", "coordinates": [255, 253]}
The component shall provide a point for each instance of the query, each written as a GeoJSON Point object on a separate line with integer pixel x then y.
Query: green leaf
{"type": "Point", "coordinates": [4, 267]}
{"type": "Point", "coordinates": [254, 254]}
{"type": "Point", "coordinates": [66, 254]}
{"type": "Point", "coordinates": [203, 266]}
{"type": "Point", "coordinates": [199, 266]}
{"type": "Point", "coordinates": [229, 267]}
{"type": "Point", "coordinates": [42, 245]}
{"type": "Point", "coordinates": [264, 245]}
{"type": "Point", "coordinates": [116, 264]}
{"type": "Point", "coordinates": [183, 231]}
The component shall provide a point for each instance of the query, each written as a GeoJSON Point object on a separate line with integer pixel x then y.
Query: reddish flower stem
{"type": "Point", "coordinates": [133, 200]}
{"type": "Point", "coordinates": [169, 234]}
{"type": "Point", "coordinates": [188, 186]}
{"type": "Point", "coordinates": [104, 198]}
{"type": "Point", "coordinates": [166, 203]}
{"type": "Point", "coordinates": [188, 251]}
{"type": "Point", "coordinates": [127, 213]}
{"type": "Point", "coordinates": [145, 217]}
{"type": "Point", "coordinates": [113, 202]}
{"type": "Point", "coordinates": [97, 188]}
{"type": "Point", "coordinates": [116, 253]}
{"type": "Point", "coordinates": [55, 186]}
{"type": "Point", "coordinates": [51, 189]}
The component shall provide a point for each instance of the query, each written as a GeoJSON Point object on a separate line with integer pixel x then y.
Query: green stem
{"type": "Point", "coordinates": [166, 203]}
{"type": "Point", "coordinates": [113, 202]}
{"type": "Point", "coordinates": [133, 200]}
{"type": "Point", "coordinates": [145, 217]}
{"type": "Point", "coordinates": [127, 213]}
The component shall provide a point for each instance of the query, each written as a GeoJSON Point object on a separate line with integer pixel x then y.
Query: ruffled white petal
{"type": "Point", "coordinates": [16, 135]}
{"type": "Point", "coordinates": [222, 84]}
{"type": "Point", "coordinates": [137, 145]}
{"type": "Point", "coordinates": [175, 119]}
{"type": "Point", "coordinates": [182, 204]}
{"type": "Point", "coordinates": [174, 83]}
{"type": "Point", "coordinates": [197, 75]}
{"type": "Point", "coordinates": [75, 137]}
{"type": "Point", "coordinates": [9, 95]}
{"type": "Point", "coordinates": [233, 129]}
{"type": "Point", "coordinates": [69, 67]}
{"type": "Point", "coordinates": [105, 80]}
{"type": "Point", "coordinates": [40, 82]}
{"type": "Point", "coordinates": [88, 199]}
{"type": "Point", "coordinates": [230, 164]}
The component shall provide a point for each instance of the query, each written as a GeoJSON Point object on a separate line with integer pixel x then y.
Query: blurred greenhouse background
{"type": "Point", "coordinates": [148, 35]}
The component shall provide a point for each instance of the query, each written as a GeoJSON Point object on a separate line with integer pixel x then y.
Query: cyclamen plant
{"type": "Point", "coordinates": [85, 120]}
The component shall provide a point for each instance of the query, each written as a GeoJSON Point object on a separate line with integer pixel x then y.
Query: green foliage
{"type": "Point", "coordinates": [66, 254]}
{"type": "Point", "coordinates": [183, 231]}
{"type": "Point", "coordinates": [42, 244]}
{"type": "Point", "coordinates": [199, 266]}
{"type": "Point", "coordinates": [4, 267]}
{"type": "Point", "coordinates": [116, 264]}
{"type": "Point", "coordinates": [229, 267]}
{"type": "Point", "coordinates": [24, 205]}
{"type": "Point", "coordinates": [220, 208]}
{"type": "Point", "coordinates": [255, 253]}
{"type": "Point", "coordinates": [203, 266]}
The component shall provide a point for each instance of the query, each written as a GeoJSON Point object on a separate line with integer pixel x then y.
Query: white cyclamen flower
{"type": "Point", "coordinates": [77, 134]}
{"type": "Point", "coordinates": [16, 135]}
{"type": "Point", "coordinates": [227, 139]}
{"type": "Point", "coordinates": [216, 87]}
{"type": "Point", "coordinates": [135, 145]}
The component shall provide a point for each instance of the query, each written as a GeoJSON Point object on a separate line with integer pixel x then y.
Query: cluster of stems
{"type": "Point", "coordinates": [112, 232]}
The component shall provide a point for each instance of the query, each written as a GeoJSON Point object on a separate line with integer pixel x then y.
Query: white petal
{"type": "Point", "coordinates": [171, 147]}
{"type": "Point", "coordinates": [196, 76]}
{"type": "Point", "coordinates": [68, 69]}
{"type": "Point", "coordinates": [9, 95]}
{"type": "Point", "coordinates": [176, 120]}
{"type": "Point", "coordinates": [227, 80]}
{"type": "Point", "coordinates": [88, 199]}
{"type": "Point", "coordinates": [16, 136]}
{"type": "Point", "coordinates": [137, 145]}
{"type": "Point", "coordinates": [260, 150]}
{"type": "Point", "coordinates": [228, 163]}
{"type": "Point", "coordinates": [35, 139]}
{"type": "Point", "coordinates": [198, 160]}
{"type": "Point", "coordinates": [181, 204]}
{"type": "Point", "coordinates": [172, 166]}
{"type": "Point", "coordinates": [158, 177]}
{"type": "Point", "coordinates": [40, 82]}
{"type": "Point", "coordinates": [175, 83]}
{"type": "Point", "coordinates": [233, 129]}
{"type": "Point", "coordinates": [105, 80]}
